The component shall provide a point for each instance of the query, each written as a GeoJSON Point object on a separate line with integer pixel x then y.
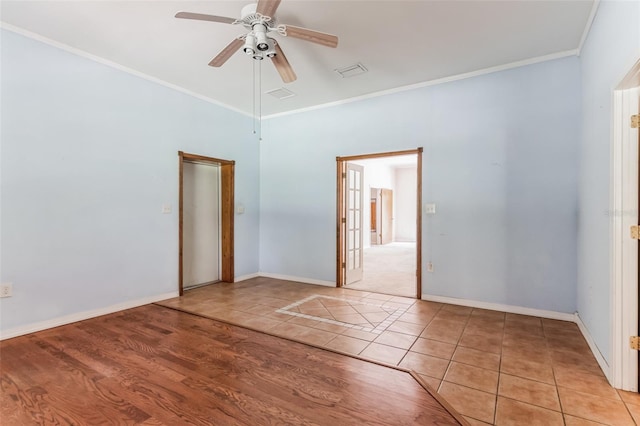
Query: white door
{"type": "Point", "coordinates": [201, 223]}
{"type": "Point", "coordinates": [354, 193]}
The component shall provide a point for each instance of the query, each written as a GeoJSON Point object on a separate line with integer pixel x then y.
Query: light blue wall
{"type": "Point", "coordinates": [500, 162]}
{"type": "Point", "coordinates": [611, 49]}
{"type": "Point", "coordinates": [89, 155]}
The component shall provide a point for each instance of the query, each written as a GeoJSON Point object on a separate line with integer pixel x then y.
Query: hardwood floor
{"type": "Point", "coordinates": [153, 365]}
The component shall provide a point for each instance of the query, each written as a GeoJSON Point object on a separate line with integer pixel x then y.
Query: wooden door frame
{"type": "Point", "coordinates": [341, 213]}
{"type": "Point", "coordinates": [227, 172]}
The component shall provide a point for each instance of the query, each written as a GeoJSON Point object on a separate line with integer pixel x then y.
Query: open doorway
{"type": "Point", "coordinates": [625, 187]}
{"type": "Point", "coordinates": [200, 224]}
{"type": "Point", "coordinates": [206, 188]}
{"type": "Point", "coordinates": [379, 222]}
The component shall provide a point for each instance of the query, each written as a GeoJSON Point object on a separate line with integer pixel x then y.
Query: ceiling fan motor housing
{"type": "Point", "coordinates": [247, 10]}
{"type": "Point", "coordinates": [249, 18]}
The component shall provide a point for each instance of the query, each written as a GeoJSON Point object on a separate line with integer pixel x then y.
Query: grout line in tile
{"type": "Point", "coordinates": [533, 404]}
{"type": "Point", "coordinates": [626, 406]}
{"type": "Point", "coordinates": [495, 411]}
{"type": "Point", "coordinates": [553, 370]}
{"type": "Point", "coordinates": [536, 405]}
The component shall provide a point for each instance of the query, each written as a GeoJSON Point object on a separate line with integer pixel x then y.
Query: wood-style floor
{"type": "Point", "coordinates": [153, 365]}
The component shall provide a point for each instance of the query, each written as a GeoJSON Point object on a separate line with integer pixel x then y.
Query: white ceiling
{"type": "Point", "coordinates": [400, 42]}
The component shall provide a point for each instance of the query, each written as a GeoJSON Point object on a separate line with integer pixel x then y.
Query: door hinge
{"type": "Point", "coordinates": [344, 220]}
{"type": "Point", "coordinates": [635, 232]}
{"type": "Point", "coordinates": [635, 121]}
{"type": "Point", "coordinates": [344, 265]}
{"type": "Point", "coordinates": [344, 175]}
{"type": "Point", "coordinates": [634, 343]}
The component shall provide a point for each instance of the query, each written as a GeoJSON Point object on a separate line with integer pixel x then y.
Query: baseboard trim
{"type": "Point", "coordinates": [606, 369]}
{"type": "Point", "coordinates": [245, 277]}
{"type": "Point", "coordinates": [81, 316]}
{"type": "Point", "coordinates": [512, 309]}
{"type": "Point", "coordinates": [298, 279]}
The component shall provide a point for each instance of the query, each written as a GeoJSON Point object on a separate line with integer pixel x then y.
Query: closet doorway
{"type": "Point", "coordinates": [205, 221]}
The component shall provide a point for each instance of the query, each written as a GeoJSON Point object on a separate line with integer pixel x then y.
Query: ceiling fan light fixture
{"type": "Point", "coordinates": [271, 51]}
{"type": "Point", "coordinates": [261, 37]}
{"type": "Point", "coordinates": [249, 44]}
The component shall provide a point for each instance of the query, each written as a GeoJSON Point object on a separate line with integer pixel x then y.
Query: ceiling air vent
{"type": "Point", "coordinates": [351, 70]}
{"type": "Point", "coordinates": [281, 93]}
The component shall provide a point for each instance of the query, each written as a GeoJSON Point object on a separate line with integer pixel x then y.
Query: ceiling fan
{"type": "Point", "coordinates": [259, 19]}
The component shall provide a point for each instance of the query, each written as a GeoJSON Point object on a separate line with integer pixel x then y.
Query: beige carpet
{"type": "Point", "coordinates": [389, 269]}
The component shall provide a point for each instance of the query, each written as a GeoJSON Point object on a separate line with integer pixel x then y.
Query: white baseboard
{"type": "Point", "coordinates": [80, 316]}
{"type": "Point", "coordinates": [298, 279]}
{"type": "Point", "coordinates": [503, 308]}
{"type": "Point", "coordinates": [594, 348]}
{"type": "Point", "coordinates": [245, 277]}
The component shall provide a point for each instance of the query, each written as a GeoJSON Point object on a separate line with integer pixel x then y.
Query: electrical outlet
{"type": "Point", "coordinates": [430, 267]}
{"type": "Point", "coordinates": [6, 290]}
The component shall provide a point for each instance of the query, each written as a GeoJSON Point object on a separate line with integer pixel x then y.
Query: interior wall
{"type": "Point", "coordinates": [405, 204]}
{"type": "Point", "coordinates": [89, 157]}
{"type": "Point", "coordinates": [500, 161]}
{"type": "Point", "coordinates": [610, 50]}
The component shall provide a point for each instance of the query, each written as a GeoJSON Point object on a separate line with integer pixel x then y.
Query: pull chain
{"type": "Point", "coordinates": [253, 98]}
{"type": "Point", "coordinates": [260, 99]}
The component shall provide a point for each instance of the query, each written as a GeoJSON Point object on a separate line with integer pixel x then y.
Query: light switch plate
{"type": "Point", "coordinates": [166, 208]}
{"type": "Point", "coordinates": [240, 209]}
{"type": "Point", "coordinates": [430, 208]}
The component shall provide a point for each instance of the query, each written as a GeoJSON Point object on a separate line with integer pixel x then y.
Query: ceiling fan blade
{"type": "Point", "coordinates": [283, 66]}
{"type": "Point", "coordinates": [203, 17]}
{"type": "Point", "coordinates": [311, 35]}
{"type": "Point", "coordinates": [226, 53]}
{"type": "Point", "coordinates": [267, 7]}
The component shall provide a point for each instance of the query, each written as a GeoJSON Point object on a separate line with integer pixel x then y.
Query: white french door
{"type": "Point", "coordinates": [354, 194]}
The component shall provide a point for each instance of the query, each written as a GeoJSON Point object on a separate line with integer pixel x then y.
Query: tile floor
{"type": "Point", "coordinates": [493, 367]}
